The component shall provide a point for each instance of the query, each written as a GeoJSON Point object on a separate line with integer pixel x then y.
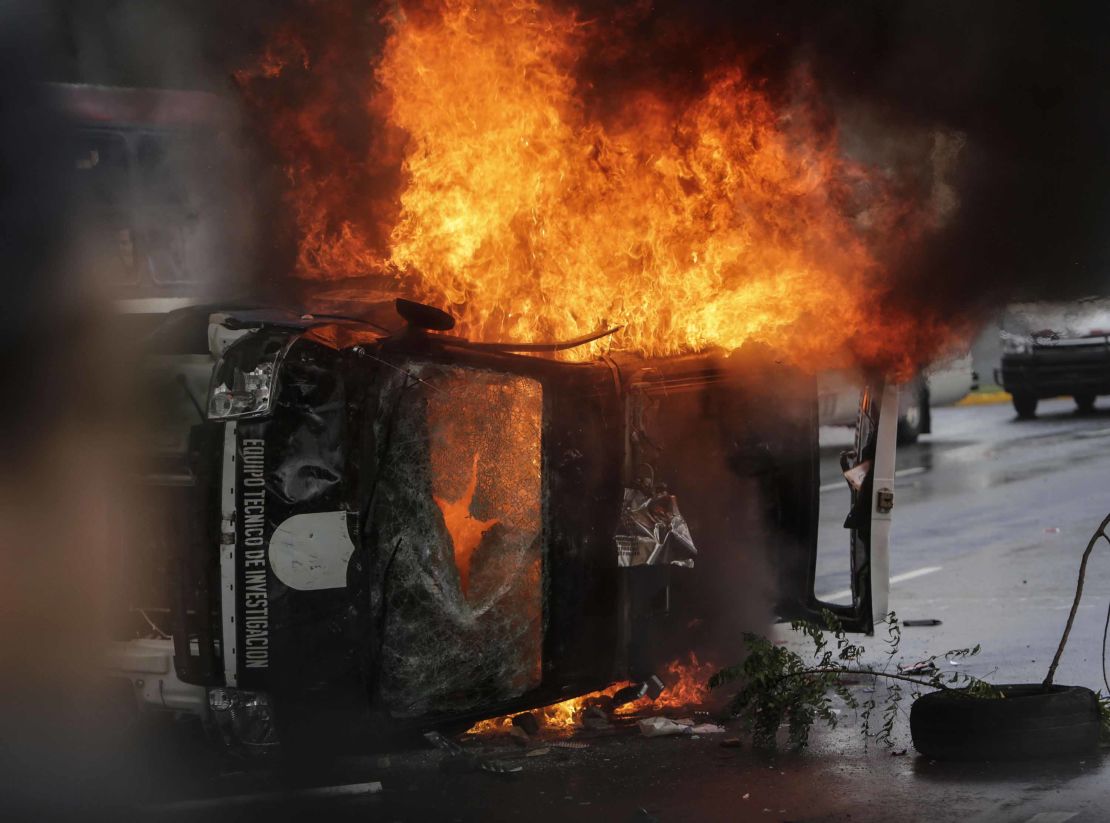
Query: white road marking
{"type": "Point", "coordinates": [1051, 817]}
{"type": "Point", "coordinates": [1094, 433]}
{"type": "Point", "coordinates": [898, 578]}
{"type": "Point", "coordinates": [841, 484]}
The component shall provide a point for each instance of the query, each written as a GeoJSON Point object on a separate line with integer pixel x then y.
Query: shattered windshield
{"type": "Point", "coordinates": [459, 525]}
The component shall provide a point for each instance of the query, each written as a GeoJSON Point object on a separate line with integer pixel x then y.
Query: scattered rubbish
{"type": "Point", "coordinates": [1052, 530]}
{"type": "Point", "coordinates": [594, 718]}
{"type": "Point", "coordinates": [540, 752]}
{"type": "Point", "coordinates": [569, 744]}
{"type": "Point", "coordinates": [932, 621]}
{"type": "Point", "coordinates": [654, 687]}
{"type": "Point", "coordinates": [731, 743]}
{"type": "Point", "coordinates": [899, 753]}
{"type": "Point", "coordinates": [652, 531]}
{"type": "Point", "coordinates": [442, 743]}
{"type": "Point", "coordinates": [650, 688]}
{"type": "Point", "coordinates": [628, 694]}
{"type": "Point", "coordinates": [708, 728]}
{"type": "Point", "coordinates": [458, 761]}
{"type": "Point", "coordinates": [527, 722]}
{"type": "Point", "coordinates": [746, 795]}
{"type": "Point", "coordinates": [497, 767]}
{"type": "Point", "coordinates": [663, 726]}
{"type": "Point", "coordinates": [519, 735]}
{"type": "Point", "coordinates": [921, 667]}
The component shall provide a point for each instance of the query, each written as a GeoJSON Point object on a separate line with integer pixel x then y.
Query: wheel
{"type": "Point", "coordinates": [1025, 405]}
{"type": "Point", "coordinates": [1085, 403]}
{"type": "Point", "coordinates": [912, 415]}
{"type": "Point", "coordinates": [1026, 722]}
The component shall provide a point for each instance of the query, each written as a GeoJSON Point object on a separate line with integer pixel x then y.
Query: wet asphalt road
{"type": "Point", "coordinates": [991, 517]}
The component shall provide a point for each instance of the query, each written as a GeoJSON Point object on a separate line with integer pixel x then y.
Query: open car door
{"type": "Point", "coordinates": [869, 473]}
{"type": "Point", "coordinates": [868, 469]}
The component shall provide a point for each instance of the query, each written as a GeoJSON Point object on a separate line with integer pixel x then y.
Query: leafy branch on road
{"type": "Point", "coordinates": [779, 686]}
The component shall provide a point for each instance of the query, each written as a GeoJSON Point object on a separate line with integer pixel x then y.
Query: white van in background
{"type": "Point", "coordinates": [942, 384]}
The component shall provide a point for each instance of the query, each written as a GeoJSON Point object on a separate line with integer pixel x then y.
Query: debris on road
{"type": "Point", "coordinates": [594, 718]}
{"type": "Point", "coordinates": [527, 723]}
{"type": "Point", "coordinates": [921, 667]}
{"type": "Point", "coordinates": [932, 621]}
{"type": "Point", "coordinates": [519, 736]}
{"type": "Point", "coordinates": [662, 726]}
{"type": "Point", "coordinates": [650, 688]}
{"type": "Point", "coordinates": [458, 761]}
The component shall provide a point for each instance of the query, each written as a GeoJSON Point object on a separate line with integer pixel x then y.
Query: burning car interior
{"type": "Point", "coordinates": [375, 525]}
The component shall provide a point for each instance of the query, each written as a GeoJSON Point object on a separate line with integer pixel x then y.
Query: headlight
{"type": "Point", "coordinates": [243, 718]}
{"type": "Point", "coordinates": [244, 382]}
{"type": "Point", "coordinates": [1015, 343]}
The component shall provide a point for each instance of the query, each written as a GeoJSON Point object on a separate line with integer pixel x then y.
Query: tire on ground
{"type": "Point", "coordinates": [1027, 722]}
{"type": "Point", "coordinates": [1085, 403]}
{"type": "Point", "coordinates": [1025, 405]}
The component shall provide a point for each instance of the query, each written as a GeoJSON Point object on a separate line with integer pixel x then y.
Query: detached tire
{"type": "Point", "coordinates": [1027, 722]}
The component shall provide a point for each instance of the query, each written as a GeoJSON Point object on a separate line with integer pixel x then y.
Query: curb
{"type": "Point", "coordinates": [985, 398]}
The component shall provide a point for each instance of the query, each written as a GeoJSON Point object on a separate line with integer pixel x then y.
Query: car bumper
{"type": "Point", "coordinates": [1047, 373]}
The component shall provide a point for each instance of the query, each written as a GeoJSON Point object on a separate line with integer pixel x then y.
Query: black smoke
{"type": "Point", "coordinates": [1024, 86]}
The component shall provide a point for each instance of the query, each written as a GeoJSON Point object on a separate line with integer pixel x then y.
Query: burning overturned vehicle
{"type": "Point", "coordinates": [375, 525]}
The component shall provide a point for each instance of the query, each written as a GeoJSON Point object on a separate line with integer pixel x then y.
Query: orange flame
{"type": "Point", "coordinates": [715, 220]}
{"type": "Point", "coordinates": [466, 530]}
{"type": "Point", "coordinates": [687, 686]}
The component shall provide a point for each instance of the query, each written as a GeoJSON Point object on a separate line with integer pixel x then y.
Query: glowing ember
{"type": "Point", "coordinates": [686, 686]}
{"type": "Point", "coordinates": [719, 218]}
{"type": "Point", "coordinates": [466, 530]}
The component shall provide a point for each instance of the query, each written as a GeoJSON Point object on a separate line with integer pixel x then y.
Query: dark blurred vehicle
{"type": "Point", "coordinates": [1052, 349]}
{"type": "Point", "coordinates": [151, 180]}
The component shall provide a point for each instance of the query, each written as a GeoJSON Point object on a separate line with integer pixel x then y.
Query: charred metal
{"type": "Point", "coordinates": [419, 531]}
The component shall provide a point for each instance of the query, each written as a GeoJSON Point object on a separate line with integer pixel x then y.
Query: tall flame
{"type": "Point", "coordinates": [712, 220]}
